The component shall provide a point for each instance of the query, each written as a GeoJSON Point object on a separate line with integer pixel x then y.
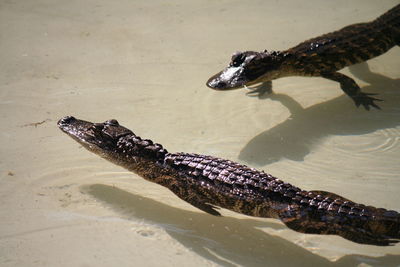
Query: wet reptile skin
{"type": "Point", "coordinates": [207, 183]}
{"type": "Point", "coordinates": [322, 56]}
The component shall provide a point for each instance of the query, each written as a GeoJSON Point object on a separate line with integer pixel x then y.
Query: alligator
{"type": "Point", "coordinates": [209, 183]}
{"type": "Point", "coordinates": [322, 56]}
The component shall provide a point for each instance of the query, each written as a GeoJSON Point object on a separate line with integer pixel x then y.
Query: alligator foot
{"type": "Point", "coordinates": [261, 91]}
{"type": "Point", "coordinates": [350, 87]}
{"type": "Point", "coordinates": [365, 100]}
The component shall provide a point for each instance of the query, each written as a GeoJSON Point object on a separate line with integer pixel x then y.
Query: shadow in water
{"type": "Point", "coordinates": [226, 241]}
{"type": "Point", "coordinates": [294, 138]}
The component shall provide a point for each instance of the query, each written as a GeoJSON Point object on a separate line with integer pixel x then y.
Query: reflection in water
{"type": "Point", "coordinates": [224, 240]}
{"type": "Point", "coordinates": [293, 139]}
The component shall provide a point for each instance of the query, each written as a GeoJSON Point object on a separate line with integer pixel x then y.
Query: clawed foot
{"type": "Point", "coordinates": [261, 91]}
{"type": "Point", "coordinates": [365, 100]}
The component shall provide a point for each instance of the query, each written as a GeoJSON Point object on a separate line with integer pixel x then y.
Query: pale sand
{"type": "Point", "coordinates": [145, 63]}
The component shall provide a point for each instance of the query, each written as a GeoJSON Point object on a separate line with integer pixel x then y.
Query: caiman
{"type": "Point", "coordinates": [322, 56]}
{"type": "Point", "coordinates": [209, 183]}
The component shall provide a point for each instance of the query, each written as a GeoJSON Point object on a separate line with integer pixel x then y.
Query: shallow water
{"type": "Point", "coordinates": [146, 65]}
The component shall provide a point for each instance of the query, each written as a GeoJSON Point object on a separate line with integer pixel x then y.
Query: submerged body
{"type": "Point", "coordinates": [322, 56]}
{"type": "Point", "coordinates": [207, 183]}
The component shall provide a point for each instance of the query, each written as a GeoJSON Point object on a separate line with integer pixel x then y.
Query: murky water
{"type": "Point", "coordinates": [146, 64]}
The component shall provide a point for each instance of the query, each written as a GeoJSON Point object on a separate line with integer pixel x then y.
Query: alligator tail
{"type": "Point", "coordinates": [391, 20]}
{"type": "Point", "coordinates": [355, 222]}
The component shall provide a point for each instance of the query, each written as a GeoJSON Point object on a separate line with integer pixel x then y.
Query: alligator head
{"type": "Point", "coordinates": [246, 68]}
{"type": "Point", "coordinates": [116, 144]}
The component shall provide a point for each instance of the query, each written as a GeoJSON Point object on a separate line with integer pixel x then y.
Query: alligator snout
{"type": "Point", "coordinates": [228, 79]}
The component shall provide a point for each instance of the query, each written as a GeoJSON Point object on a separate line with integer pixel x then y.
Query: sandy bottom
{"type": "Point", "coordinates": [145, 63]}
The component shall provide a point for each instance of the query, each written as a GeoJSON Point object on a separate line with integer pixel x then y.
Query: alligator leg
{"type": "Point", "coordinates": [350, 87]}
{"type": "Point", "coordinates": [195, 201]}
{"type": "Point", "coordinates": [185, 193]}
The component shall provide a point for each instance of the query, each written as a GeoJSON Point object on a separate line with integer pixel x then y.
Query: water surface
{"type": "Point", "coordinates": [146, 64]}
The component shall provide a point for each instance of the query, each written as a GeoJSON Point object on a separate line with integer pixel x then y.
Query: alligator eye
{"type": "Point", "coordinates": [237, 59]}
{"type": "Point", "coordinates": [112, 122]}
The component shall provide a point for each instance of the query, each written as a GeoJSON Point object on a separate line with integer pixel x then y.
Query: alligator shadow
{"type": "Point", "coordinates": [223, 240]}
{"type": "Point", "coordinates": [294, 138]}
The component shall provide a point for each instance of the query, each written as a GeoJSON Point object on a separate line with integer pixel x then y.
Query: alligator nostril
{"type": "Point", "coordinates": [66, 120]}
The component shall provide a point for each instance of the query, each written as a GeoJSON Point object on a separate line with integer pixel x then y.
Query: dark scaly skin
{"type": "Point", "coordinates": [207, 182]}
{"type": "Point", "coordinates": [322, 56]}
